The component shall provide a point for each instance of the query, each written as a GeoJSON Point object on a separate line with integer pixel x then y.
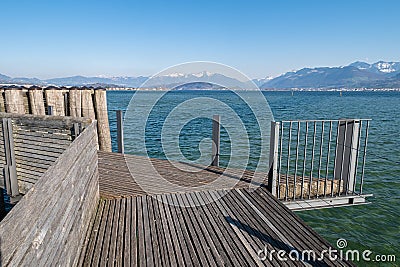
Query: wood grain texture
{"type": "Point", "coordinates": [103, 127]}
{"type": "Point", "coordinates": [53, 217]}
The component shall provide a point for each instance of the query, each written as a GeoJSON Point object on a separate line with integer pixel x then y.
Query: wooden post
{"type": "Point", "coordinates": [216, 128]}
{"type": "Point", "coordinates": [120, 132]}
{"type": "Point", "coordinates": [75, 102]}
{"type": "Point", "coordinates": [36, 101]}
{"type": "Point", "coordinates": [10, 171]}
{"type": "Point", "coordinates": [14, 100]}
{"type": "Point", "coordinates": [55, 98]}
{"type": "Point", "coordinates": [273, 158]}
{"type": "Point", "coordinates": [87, 104]}
{"type": "Point", "coordinates": [2, 107]}
{"type": "Point", "coordinates": [103, 127]}
{"type": "Point", "coordinates": [2, 205]}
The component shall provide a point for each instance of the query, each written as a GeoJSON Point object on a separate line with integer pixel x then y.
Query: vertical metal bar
{"type": "Point", "coordinates": [288, 161]}
{"type": "Point", "coordinates": [343, 155]}
{"type": "Point", "coordinates": [320, 155]}
{"type": "Point", "coordinates": [273, 158]}
{"type": "Point", "coordinates": [280, 162]}
{"type": "Point", "coordinates": [296, 161]}
{"type": "Point", "coordinates": [120, 132]}
{"type": "Point", "coordinates": [312, 160]}
{"type": "Point", "coordinates": [365, 154]}
{"type": "Point", "coordinates": [304, 161]}
{"type": "Point", "coordinates": [357, 155]}
{"type": "Point", "coordinates": [327, 158]}
{"type": "Point", "coordinates": [50, 110]}
{"type": "Point", "coordinates": [336, 155]}
{"type": "Point", "coordinates": [216, 128]}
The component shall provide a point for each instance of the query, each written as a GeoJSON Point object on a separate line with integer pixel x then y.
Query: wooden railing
{"type": "Point", "coordinates": [30, 144]}
{"type": "Point", "coordinates": [48, 225]}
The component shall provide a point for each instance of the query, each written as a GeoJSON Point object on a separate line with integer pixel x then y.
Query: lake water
{"type": "Point", "coordinates": [375, 227]}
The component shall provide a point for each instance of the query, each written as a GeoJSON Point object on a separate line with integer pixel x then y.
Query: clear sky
{"type": "Point", "coordinates": [129, 38]}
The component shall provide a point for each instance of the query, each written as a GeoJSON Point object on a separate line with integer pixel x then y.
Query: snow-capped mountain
{"type": "Point", "coordinates": [262, 81]}
{"type": "Point", "coordinates": [379, 67]}
{"type": "Point", "coordinates": [358, 74]}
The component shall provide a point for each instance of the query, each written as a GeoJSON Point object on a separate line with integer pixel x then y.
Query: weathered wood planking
{"type": "Point", "coordinates": [87, 104]}
{"type": "Point", "coordinates": [103, 127]}
{"type": "Point", "coordinates": [14, 100]}
{"type": "Point", "coordinates": [75, 102]}
{"type": "Point", "coordinates": [38, 142]}
{"type": "Point", "coordinates": [37, 101]}
{"type": "Point", "coordinates": [55, 98]}
{"type": "Point", "coordinates": [2, 107]}
{"type": "Point", "coordinates": [208, 228]}
{"type": "Point", "coordinates": [116, 180]}
{"type": "Point", "coordinates": [53, 218]}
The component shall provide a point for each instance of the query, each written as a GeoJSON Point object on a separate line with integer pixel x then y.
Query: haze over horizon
{"type": "Point", "coordinates": [47, 39]}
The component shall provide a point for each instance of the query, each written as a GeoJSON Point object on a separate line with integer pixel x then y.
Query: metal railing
{"type": "Point", "coordinates": [317, 158]}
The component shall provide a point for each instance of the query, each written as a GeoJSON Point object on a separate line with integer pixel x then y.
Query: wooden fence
{"type": "Point", "coordinates": [47, 227]}
{"type": "Point", "coordinates": [30, 144]}
{"type": "Point", "coordinates": [75, 102]}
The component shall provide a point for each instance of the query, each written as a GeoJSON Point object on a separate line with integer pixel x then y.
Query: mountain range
{"type": "Point", "coordinates": [356, 75]}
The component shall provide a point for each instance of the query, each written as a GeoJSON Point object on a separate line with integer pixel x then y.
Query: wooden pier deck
{"type": "Point", "coordinates": [116, 180]}
{"type": "Point", "coordinates": [194, 228]}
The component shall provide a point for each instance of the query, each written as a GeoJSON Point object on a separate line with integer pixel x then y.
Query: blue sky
{"type": "Point", "coordinates": [63, 38]}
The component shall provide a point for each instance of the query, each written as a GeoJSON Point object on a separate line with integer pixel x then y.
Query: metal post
{"type": "Point", "coordinates": [345, 164]}
{"type": "Point", "coordinates": [120, 132]}
{"type": "Point", "coordinates": [215, 140]}
{"type": "Point", "coordinates": [50, 110]}
{"type": "Point", "coordinates": [273, 158]}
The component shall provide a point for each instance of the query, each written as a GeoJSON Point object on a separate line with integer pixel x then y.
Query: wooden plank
{"type": "Point", "coordinates": [141, 246]}
{"type": "Point", "coordinates": [129, 224]}
{"type": "Point", "coordinates": [93, 232]}
{"type": "Point", "coordinates": [98, 247]}
{"type": "Point", "coordinates": [154, 230]}
{"type": "Point", "coordinates": [214, 224]}
{"type": "Point", "coordinates": [105, 249]}
{"type": "Point", "coordinates": [166, 250]}
{"type": "Point", "coordinates": [166, 214]}
{"type": "Point", "coordinates": [134, 242]}
{"type": "Point", "coordinates": [120, 234]}
{"type": "Point", "coordinates": [257, 235]}
{"type": "Point", "coordinates": [111, 258]}
{"type": "Point", "coordinates": [199, 243]}
{"type": "Point", "coordinates": [210, 248]}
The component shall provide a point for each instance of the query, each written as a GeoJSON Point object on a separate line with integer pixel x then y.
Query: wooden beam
{"type": "Point", "coordinates": [14, 101]}
{"type": "Point", "coordinates": [36, 101]}
{"type": "Point", "coordinates": [103, 128]}
{"type": "Point", "coordinates": [55, 98]}
{"type": "Point", "coordinates": [75, 102]}
{"type": "Point", "coordinates": [87, 104]}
